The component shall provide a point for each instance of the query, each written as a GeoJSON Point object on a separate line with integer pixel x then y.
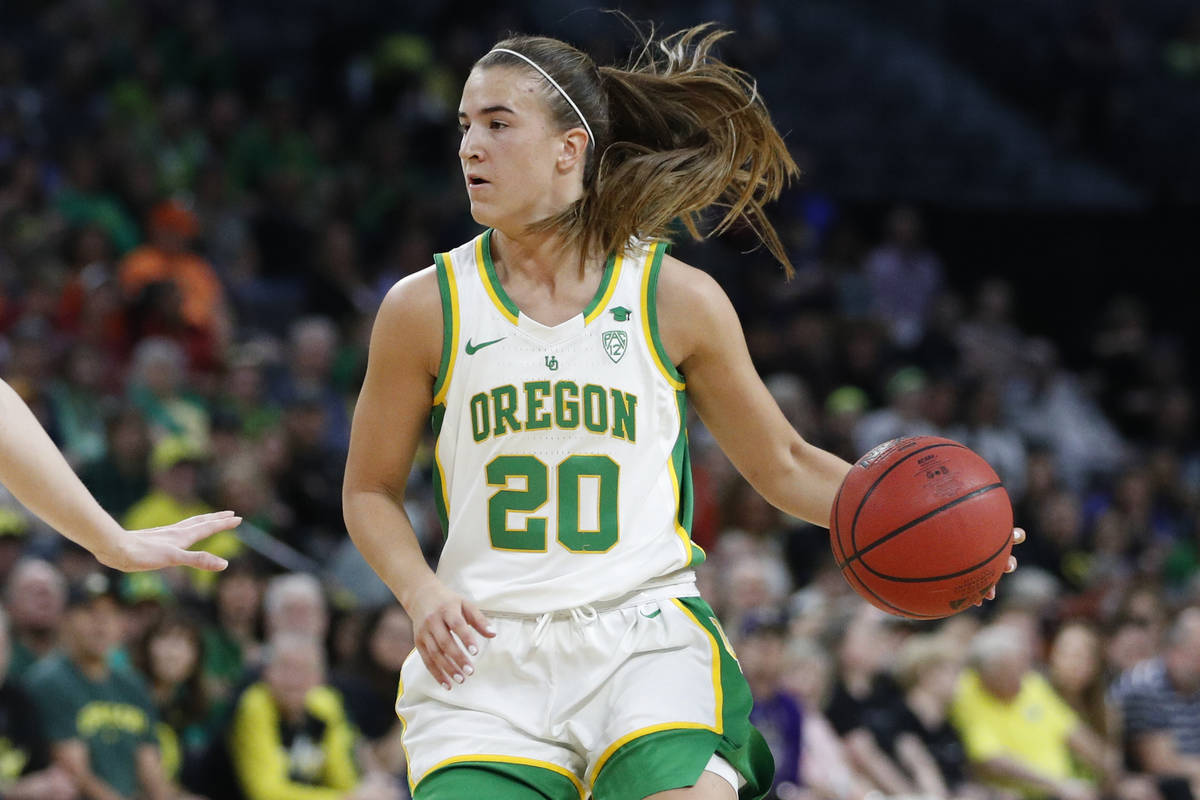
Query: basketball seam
{"type": "Point", "coordinates": [858, 554]}
{"type": "Point", "coordinates": [930, 579]}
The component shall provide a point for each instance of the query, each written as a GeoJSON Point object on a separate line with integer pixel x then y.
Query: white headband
{"type": "Point", "coordinates": [554, 83]}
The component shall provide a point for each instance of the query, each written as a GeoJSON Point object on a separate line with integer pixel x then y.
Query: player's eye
{"type": "Point", "coordinates": [497, 125]}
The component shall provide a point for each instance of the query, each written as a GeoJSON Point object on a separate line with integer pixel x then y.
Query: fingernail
{"type": "Point", "coordinates": [490, 629]}
{"type": "Point", "coordinates": [446, 686]}
{"type": "Point", "coordinates": [458, 678]}
{"type": "Point", "coordinates": [473, 650]}
{"type": "Point", "coordinates": [469, 669]}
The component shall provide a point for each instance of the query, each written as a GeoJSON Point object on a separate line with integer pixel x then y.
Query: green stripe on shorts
{"type": "Point", "coordinates": [495, 780]}
{"type": "Point", "coordinates": [671, 759]}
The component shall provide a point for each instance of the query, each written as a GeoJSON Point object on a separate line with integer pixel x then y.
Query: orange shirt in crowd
{"type": "Point", "coordinates": [200, 291]}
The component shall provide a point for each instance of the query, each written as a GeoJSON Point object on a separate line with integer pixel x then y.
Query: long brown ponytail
{"type": "Point", "coordinates": [677, 131]}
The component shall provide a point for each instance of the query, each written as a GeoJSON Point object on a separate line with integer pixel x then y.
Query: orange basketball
{"type": "Point", "coordinates": [922, 527]}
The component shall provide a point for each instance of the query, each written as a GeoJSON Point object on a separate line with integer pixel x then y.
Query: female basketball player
{"type": "Point", "coordinates": [36, 473]}
{"type": "Point", "coordinates": [563, 647]}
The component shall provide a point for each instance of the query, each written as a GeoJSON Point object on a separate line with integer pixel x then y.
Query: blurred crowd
{"type": "Point", "coordinates": [195, 231]}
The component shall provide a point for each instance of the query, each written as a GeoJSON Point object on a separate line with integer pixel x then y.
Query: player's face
{"type": "Point", "coordinates": [509, 149]}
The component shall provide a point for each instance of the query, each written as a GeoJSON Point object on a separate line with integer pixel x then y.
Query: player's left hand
{"type": "Point", "coordinates": [167, 546]}
{"type": "Point", "coordinates": [1018, 537]}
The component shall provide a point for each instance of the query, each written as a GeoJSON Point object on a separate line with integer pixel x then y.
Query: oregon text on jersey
{"type": "Point", "coordinates": [542, 405]}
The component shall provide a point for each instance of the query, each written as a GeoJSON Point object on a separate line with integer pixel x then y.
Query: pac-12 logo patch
{"type": "Point", "coordinates": [615, 343]}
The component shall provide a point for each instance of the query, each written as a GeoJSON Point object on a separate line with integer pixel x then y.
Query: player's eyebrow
{"type": "Point", "coordinates": [488, 110]}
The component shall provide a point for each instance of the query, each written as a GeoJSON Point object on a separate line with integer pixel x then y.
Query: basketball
{"type": "Point", "coordinates": [922, 527]}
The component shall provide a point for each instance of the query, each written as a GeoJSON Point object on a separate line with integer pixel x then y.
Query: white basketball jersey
{"type": "Point", "coordinates": [561, 460]}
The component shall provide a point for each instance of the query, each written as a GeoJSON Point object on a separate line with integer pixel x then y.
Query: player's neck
{"type": "Point", "coordinates": [537, 258]}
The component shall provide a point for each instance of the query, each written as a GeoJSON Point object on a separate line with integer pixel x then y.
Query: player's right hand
{"type": "Point", "coordinates": [445, 627]}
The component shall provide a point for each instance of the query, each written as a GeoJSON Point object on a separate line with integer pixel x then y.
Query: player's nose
{"type": "Point", "coordinates": [467, 147]}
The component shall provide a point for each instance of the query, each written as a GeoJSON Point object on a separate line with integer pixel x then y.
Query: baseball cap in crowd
{"type": "Point", "coordinates": [145, 587]}
{"type": "Point", "coordinates": [174, 450]}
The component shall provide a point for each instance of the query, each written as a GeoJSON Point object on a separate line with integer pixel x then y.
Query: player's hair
{"type": "Point", "coordinates": [677, 131]}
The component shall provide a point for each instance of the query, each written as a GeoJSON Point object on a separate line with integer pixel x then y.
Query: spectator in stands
{"type": "Point", "coordinates": [1160, 705]}
{"type": "Point", "coordinates": [295, 603]}
{"type": "Point", "coordinates": [167, 259]}
{"type": "Point", "coordinates": [777, 713]}
{"type": "Point", "coordinates": [369, 686]}
{"type": "Point", "coordinates": [918, 734]}
{"type": "Point", "coordinates": [35, 597]}
{"type": "Point", "coordinates": [175, 465]}
{"type": "Point", "coordinates": [1075, 669]}
{"type": "Point", "coordinates": [310, 482]}
{"type": "Point", "coordinates": [100, 718]}
{"type": "Point", "coordinates": [234, 640]}
{"type": "Point", "coordinates": [312, 349]}
{"type": "Point", "coordinates": [25, 769]}
{"type": "Point", "coordinates": [121, 476]}
{"type": "Point", "coordinates": [824, 762]}
{"type": "Point", "coordinates": [905, 276]}
{"type": "Point", "coordinates": [1018, 733]}
{"type": "Point", "coordinates": [290, 737]}
{"type": "Point", "coordinates": [170, 656]}
{"type": "Point", "coordinates": [1048, 404]}
{"type": "Point", "coordinates": [863, 692]}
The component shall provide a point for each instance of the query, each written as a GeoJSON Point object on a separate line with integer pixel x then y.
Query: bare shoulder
{"type": "Point", "coordinates": [690, 303]}
{"type": "Point", "coordinates": [410, 318]}
{"type": "Point", "coordinates": [416, 294]}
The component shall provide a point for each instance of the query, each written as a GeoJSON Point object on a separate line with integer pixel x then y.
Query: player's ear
{"type": "Point", "coordinates": [573, 149]}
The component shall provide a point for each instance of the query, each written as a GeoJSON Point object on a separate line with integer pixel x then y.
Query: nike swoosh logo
{"type": "Point", "coordinates": [472, 349]}
{"type": "Point", "coordinates": [657, 611]}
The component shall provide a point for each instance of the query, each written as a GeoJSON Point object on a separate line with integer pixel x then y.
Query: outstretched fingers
{"type": "Point", "coordinates": [187, 532]}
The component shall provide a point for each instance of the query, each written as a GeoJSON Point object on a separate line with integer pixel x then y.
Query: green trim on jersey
{"type": "Point", "coordinates": [681, 464]}
{"type": "Point", "coordinates": [608, 282]}
{"type": "Point", "coordinates": [440, 498]}
{"type": "Point", "coordinates": [450, 322]}
{"type": "Point", "coordinates": [491, 282]}
{"type": "Point", "coordinates": [496, 780]}
{"type": "Point", "coordinates": [651, 301]}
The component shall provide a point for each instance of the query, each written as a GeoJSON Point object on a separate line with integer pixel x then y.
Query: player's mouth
{"type": "Point", "coordinates": [474, 182]}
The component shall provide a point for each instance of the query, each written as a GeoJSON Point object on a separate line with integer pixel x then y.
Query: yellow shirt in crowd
{"type": "Point", "coordinates": [1032, 729]}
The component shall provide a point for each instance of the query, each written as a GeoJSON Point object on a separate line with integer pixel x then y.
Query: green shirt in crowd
{"type": "Point", "coordinates": [112, 717]}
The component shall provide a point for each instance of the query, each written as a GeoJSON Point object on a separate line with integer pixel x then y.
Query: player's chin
{"type": "Point", "coordinates": [482, 213]}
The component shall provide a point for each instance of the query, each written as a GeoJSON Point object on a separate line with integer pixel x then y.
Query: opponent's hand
{"type": "Point", "coordinates": [1018, 537]}
{"type": "Point", "coordinates": [167, 546]}
{"type": "Point", "coordinates": [445, 627]}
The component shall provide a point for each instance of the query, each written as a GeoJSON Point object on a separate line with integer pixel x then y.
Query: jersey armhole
{"type": "Point", "coordinates": [650, 317]}
{"type": "Point", "coordinates": [448, 289]}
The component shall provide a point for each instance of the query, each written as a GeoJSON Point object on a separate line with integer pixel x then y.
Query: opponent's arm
{"type": "Point", "coordinates": [37, 474]}
{"type": "Point", "coordinates": [389, 420]}
{"type": "Point", "coordinates": [702, 334]}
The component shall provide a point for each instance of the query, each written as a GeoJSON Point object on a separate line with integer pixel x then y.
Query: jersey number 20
{"type": "Point", "coordinates": [568, 476]}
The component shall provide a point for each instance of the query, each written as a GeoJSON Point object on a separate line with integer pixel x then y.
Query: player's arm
{"type": "Point", "coordinates": [702, 334]}
{"type": "Point", "coordinates": [389, 420]}
{"type": "Point", "coordinates": [37, 474]}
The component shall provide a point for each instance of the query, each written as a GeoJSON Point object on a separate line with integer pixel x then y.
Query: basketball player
{"type": "Point", "coordinates": [36, 473]}
{"type": "Point", "coordinates": [564, 649]}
